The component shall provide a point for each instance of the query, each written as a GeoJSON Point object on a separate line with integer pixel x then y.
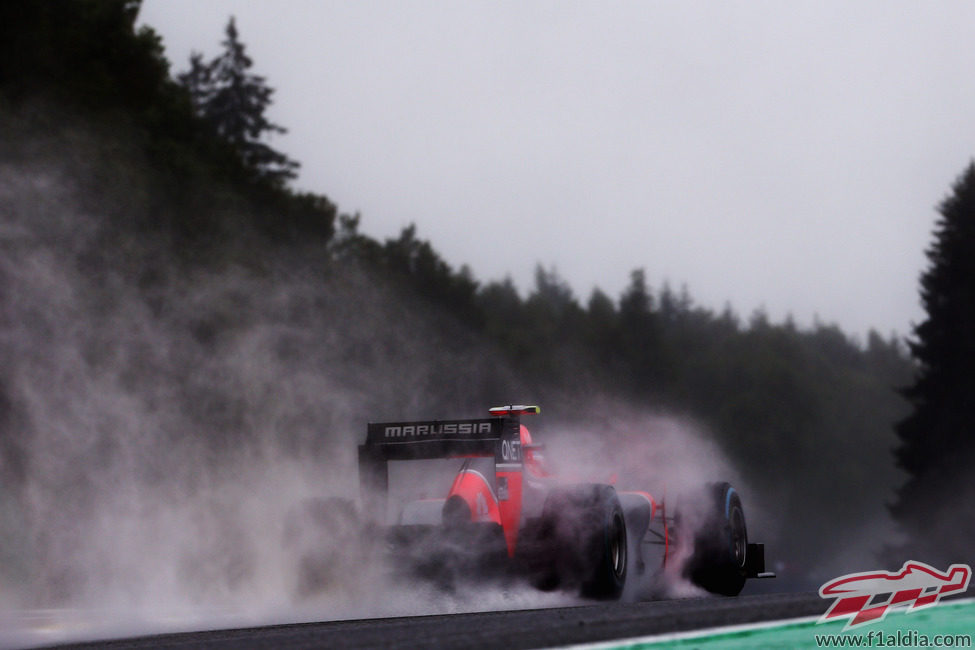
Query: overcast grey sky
{"type": "Point", "coordinates": [785, 155]}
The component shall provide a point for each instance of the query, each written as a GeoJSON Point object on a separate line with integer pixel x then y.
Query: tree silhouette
{"type": "Point", "coordinates": [805, 414]}
{"type": "Point", "coordinates": [937, 440]}
{"type": "Point", "coordinates": [639, 331]}
{"type": "Point", "coordinates": [233, 101]}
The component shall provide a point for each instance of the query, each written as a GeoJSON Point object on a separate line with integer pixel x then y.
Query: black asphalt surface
{"type": "Point", "coordinates": [510, 630]}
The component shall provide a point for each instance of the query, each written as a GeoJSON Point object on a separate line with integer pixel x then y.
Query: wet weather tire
{"type": "Point", "coordinates": [586, 533]}
{"type": "Point", "coordinates": [717, 563]}
{"type": "Point", "coordinates": [607, 577]}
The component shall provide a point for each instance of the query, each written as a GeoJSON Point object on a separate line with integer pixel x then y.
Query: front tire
{"type": "Point", "coordinates": [717, 563]}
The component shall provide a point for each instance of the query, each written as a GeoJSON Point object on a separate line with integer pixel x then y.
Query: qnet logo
{"type": "Point", "coordinates": [867, 597]}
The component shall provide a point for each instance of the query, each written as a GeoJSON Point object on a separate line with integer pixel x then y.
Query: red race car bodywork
{"type": "Point", "coordinates": [504, 507]}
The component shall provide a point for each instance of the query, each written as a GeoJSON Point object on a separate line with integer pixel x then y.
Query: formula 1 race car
{"type": "Point", "coordinates": [505, 512]}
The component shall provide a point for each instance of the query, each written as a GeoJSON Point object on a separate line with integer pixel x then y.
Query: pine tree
{"type": "Point", "coordinates": [198, 82]}
{"type": "Point", "coordinates": [639, 332]}
{"type": "Point", "coordinates": [935, 507]}
{"type": "Point", "coordinates": [234, 101]}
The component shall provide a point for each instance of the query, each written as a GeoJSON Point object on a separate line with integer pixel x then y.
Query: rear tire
{"type": "Point", "coordinates": [586, 533]}
{"type": "Point", "coordinates": [608, 574]}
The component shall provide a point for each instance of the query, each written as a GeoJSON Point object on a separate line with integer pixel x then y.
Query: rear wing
{"type": "Point", "coordinates": [498, 436]}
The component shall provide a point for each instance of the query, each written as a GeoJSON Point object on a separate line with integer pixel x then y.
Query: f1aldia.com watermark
{"type": "Point", "coordinates": [898, 639]}
{"type": "Point", "coordinates": [862, 599]}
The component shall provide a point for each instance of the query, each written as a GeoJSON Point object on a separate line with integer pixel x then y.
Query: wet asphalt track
{"type": "Point", "coordinates": [510, 630]}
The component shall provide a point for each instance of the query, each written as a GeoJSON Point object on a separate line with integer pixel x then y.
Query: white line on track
{"type": "Point", "coordinates": [715, 631]}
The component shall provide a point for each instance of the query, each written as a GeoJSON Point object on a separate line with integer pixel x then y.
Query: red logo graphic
{"type": "Point", "coordinates": [916, 585]}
